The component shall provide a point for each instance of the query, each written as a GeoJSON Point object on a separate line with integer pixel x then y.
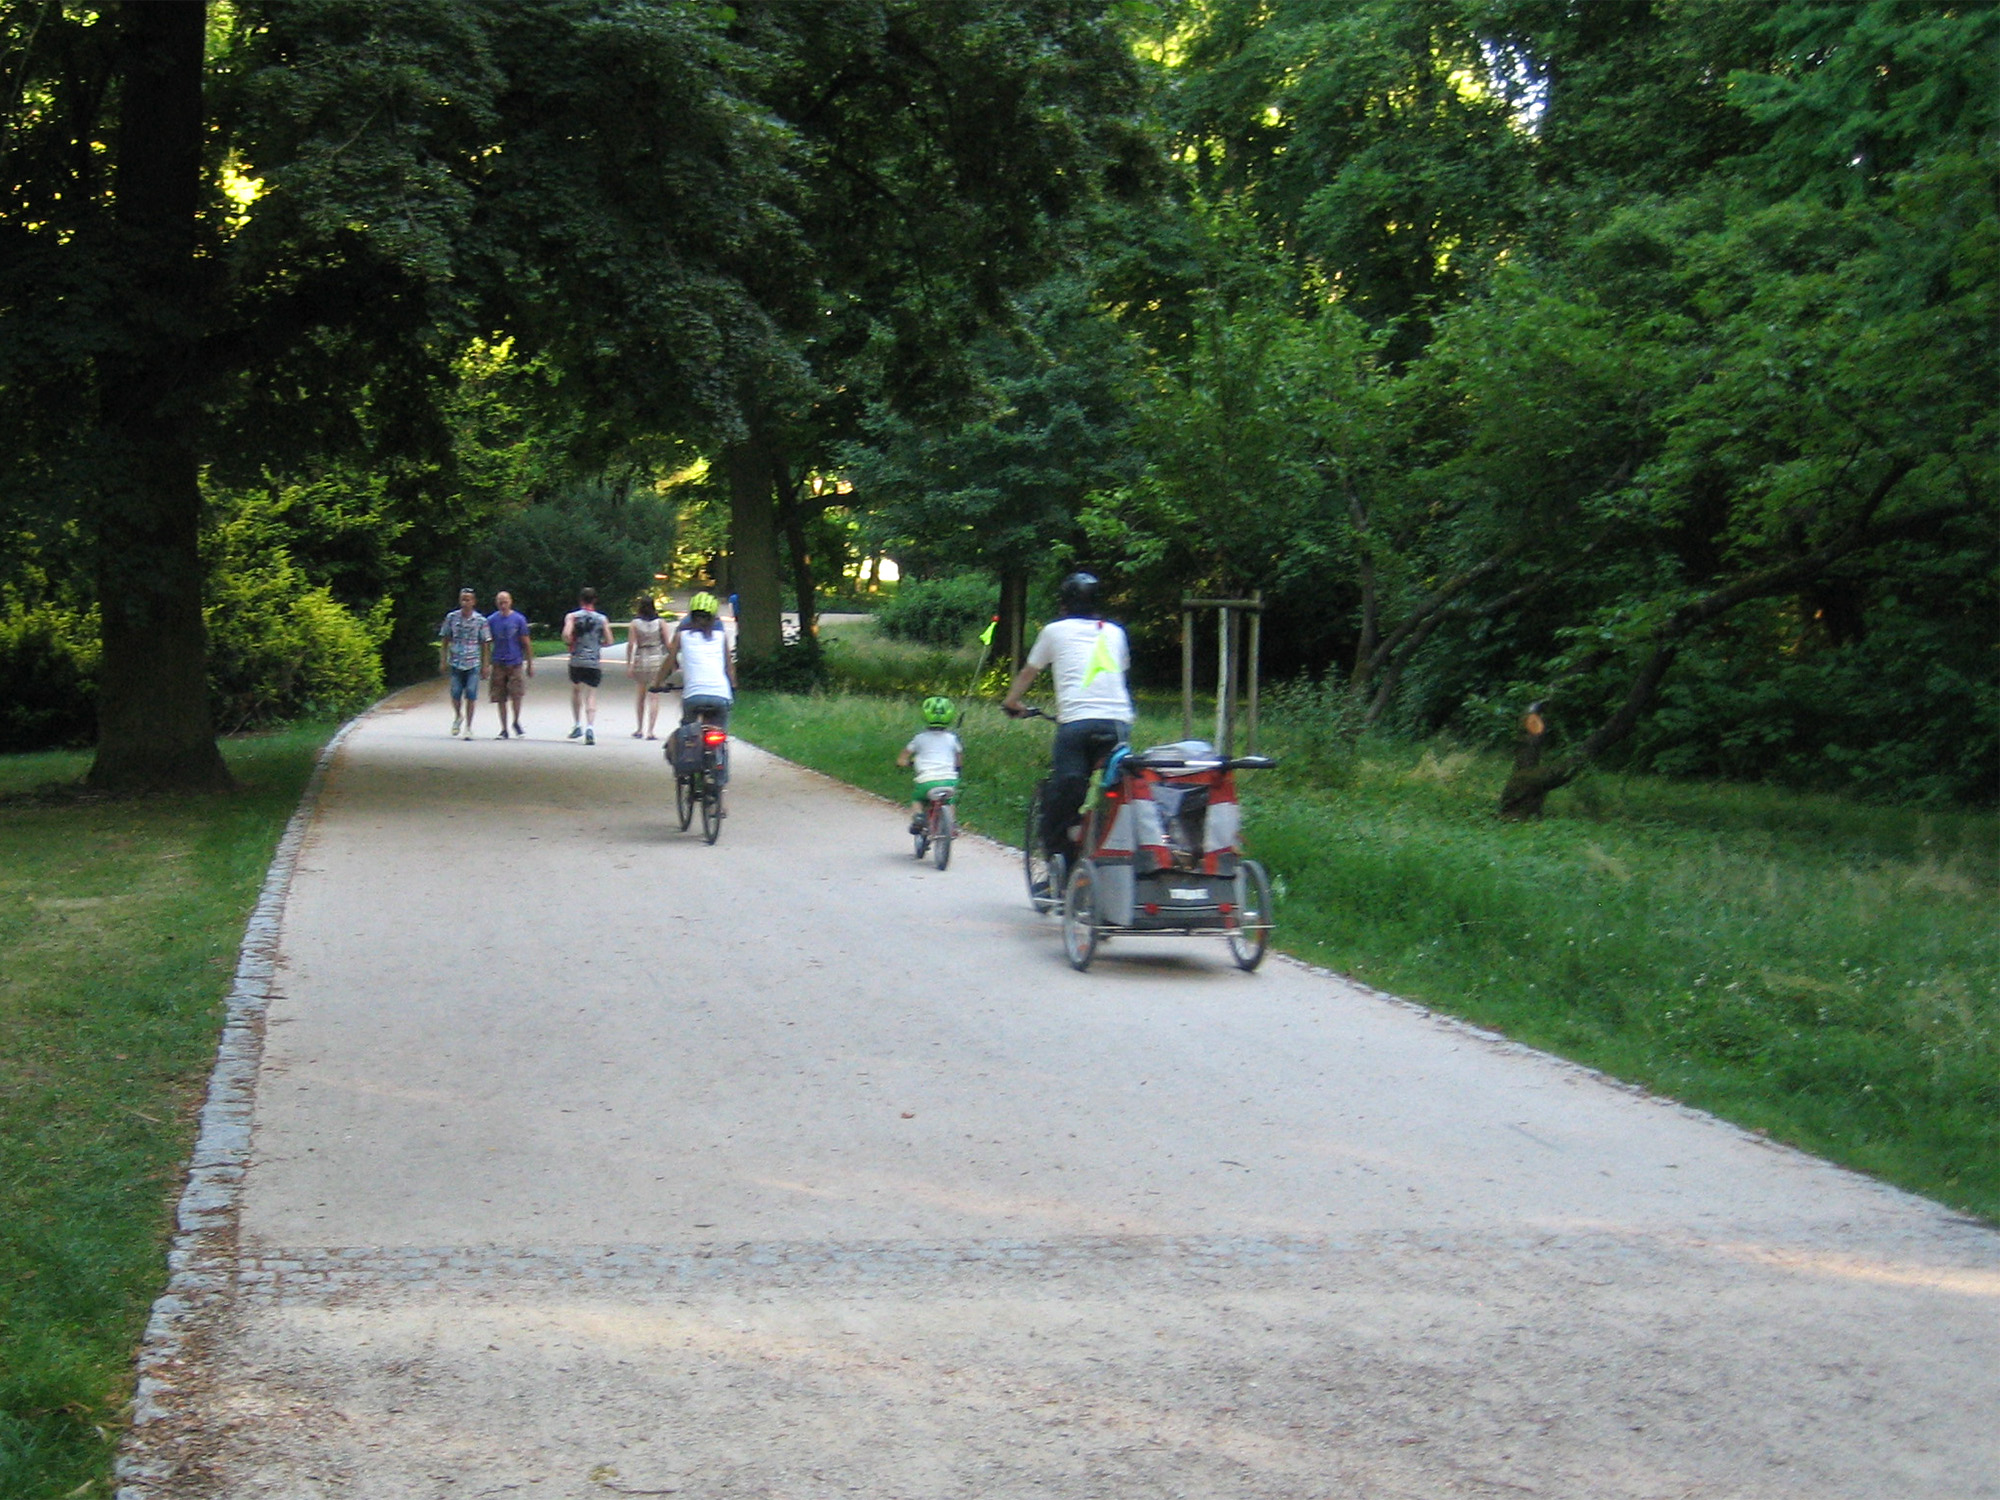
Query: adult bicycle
{"type": "Point", "coordinates": [1045, 868]}
{"type": "Point", "coordinates": [699, 753]}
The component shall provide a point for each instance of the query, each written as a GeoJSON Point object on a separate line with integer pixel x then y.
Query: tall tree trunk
{"type": "Point", "coordinates": [1009, 646]}
{"type": "Point", "coordinates": [154, 729]}
{"type": "Point", "coordinates": [792, 514]}
{"type": "Point", "coordinates": [753, 552]}
{"type": "Point", "coordinates": [1364, 648]}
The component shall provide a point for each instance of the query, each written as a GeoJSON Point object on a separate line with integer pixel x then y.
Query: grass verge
{"type": "Point", "coordinates": [859, 657]}
{"type": "Point", "coordinates": [1816, 969]}
{"type": "Point", "coordinates": [121, 921]}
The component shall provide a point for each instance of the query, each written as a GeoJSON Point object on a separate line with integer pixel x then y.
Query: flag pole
{"type": "Point", "coordinates": [985, 650]}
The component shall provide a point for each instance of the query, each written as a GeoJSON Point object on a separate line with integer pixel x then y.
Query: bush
{"type": "Point", "coordinates": [544, 553]}
{"type": "Point", "coordinates": [48, 672]}
{"type": "Point", "coordinates": [938, 611]}
{"type": "Point", "coordinates": [795, 667]}
{"type": "Point", "coordinates": [278, 646]}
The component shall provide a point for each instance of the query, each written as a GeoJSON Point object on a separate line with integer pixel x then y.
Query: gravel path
{"type": "Point", "coordinates": [588, 1161]}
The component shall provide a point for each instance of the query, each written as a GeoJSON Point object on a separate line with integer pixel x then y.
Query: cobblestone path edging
{"type": "Point", "coordinates": [202, 1260]}
{"type": "Point", "coordinates": [345, 1274]}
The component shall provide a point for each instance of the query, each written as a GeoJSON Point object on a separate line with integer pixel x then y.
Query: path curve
{"type": "Point", "coordinates": [589, 1160]}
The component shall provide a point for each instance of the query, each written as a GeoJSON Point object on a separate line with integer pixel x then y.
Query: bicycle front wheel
{"type": "Point", "coordinates": [711, 811]}
{"type": "Point", "coordinates": [947, 824]}
{"type": "Point", "coordinates": [1042, 892]}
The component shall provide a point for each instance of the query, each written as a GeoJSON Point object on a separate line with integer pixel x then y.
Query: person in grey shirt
{"type": "Point", "coordinates": [586, 633]}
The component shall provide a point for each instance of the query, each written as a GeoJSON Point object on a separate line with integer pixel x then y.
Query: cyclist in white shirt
{"type": "Point", "coordinates": [1088, 657]}
{"type": "Point", "coordinates": [700, 648]}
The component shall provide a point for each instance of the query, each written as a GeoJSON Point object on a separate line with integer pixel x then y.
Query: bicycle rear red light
{"type": "Point", "coordinates": [714, 736]}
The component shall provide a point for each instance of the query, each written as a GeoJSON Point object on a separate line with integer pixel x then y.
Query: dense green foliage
{"type": "Point", "coordinates": [1818, 970]}
{"type": "Point", "coordinates": [1634, 359]}
{"type": "Point", "coordinates": [449, 265]}
{"type": "Point", "coordinates": [599, 535]}
{"type": "Point", "coordinates": [937, 611]}
{"type": "Point", "coordinates": [121, 925]}
{"type": "Point", "coordinates": [1630, 358]}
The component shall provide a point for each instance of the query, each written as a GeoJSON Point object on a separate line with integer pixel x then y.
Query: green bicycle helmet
{"type": "Point", "coordinates": [704, 604]}
{"type": "Point", "coordinates": [937, 711]}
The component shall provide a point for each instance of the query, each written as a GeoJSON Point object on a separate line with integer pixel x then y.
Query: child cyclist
{"type": "Point", "coordinates": [937, 755]}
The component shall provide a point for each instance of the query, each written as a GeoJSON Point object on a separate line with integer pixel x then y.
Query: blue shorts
{"type": "Point", "coordinates": [464, 683]}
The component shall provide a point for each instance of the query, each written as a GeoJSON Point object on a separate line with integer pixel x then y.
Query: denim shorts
{"type": "Point", "coordinates": [464, 683]}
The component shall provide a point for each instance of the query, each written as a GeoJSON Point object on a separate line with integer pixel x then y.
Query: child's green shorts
{"type": "Point", "coordinates": [925, 788]}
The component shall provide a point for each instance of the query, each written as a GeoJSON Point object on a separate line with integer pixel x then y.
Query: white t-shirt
{"type": "Point", "coordinates": [703, 674]}
{"type": "Point", "coordinates": [1089, 659]}
{"type": "Point", "coordinates": [934, 755]}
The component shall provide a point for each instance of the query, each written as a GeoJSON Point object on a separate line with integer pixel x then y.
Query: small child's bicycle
{"type": "Point", "coordinates": [940, 823]}
{"type": "Point", "coordinates": [939, 758]}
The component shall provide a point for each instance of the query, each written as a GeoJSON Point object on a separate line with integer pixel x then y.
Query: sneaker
{"type": "Point", "coordinates": [576, 731]}
{"type": "Point", "coordinates": [590, 736]}
{"type": "Point", "coordinates": [1051, 890]}
{"type": "Point", "coordinates": [454, 726]}
{"type": "Point", "coordinates": [520, 733]}
{"type": "Point", "coordinates": [503, 734]}
{"type": "Point", "coordinates": [468, 734]}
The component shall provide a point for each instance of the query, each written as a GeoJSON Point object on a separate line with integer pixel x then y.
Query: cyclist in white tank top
{"type": "Point", "coordinates": [701, 649]}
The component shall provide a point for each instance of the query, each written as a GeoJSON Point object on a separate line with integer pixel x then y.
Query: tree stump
{"type": "Point", "coordinates": [1527, 788]}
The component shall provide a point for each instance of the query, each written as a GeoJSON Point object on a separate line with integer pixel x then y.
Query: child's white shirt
{"type": "Point", "coordinates": [934, 755]}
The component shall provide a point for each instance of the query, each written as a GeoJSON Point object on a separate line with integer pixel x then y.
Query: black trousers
{"type": "Point", "coordinates": [1079, 746]}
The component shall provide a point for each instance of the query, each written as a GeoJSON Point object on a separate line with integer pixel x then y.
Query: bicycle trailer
{"type": "Point", "coordinates": [1164, 841]}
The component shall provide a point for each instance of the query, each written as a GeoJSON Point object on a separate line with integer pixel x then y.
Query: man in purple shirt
{"type": "Point", "coordinates": [513, 660]}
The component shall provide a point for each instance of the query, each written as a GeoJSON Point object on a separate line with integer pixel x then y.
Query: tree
{"type": "Point", "coordinates": [945, 146]}
{"type": "Point", "coordinates": [997, 488]}
{"type": "Point", "coordinates": [579, 176]}
{"type": "Point", "coordinates": [153, 718]}
{"type": "Point", "coordinates": [1378, 141]}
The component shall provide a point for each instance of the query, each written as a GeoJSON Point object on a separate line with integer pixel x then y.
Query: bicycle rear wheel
{"type": "Point", "coordinates": [711, 810]}
{"type": "Point", "coordinates": [1252, 933]}
{"type": "Point", "coordinates": [1043, 893]}
{"type": "Point", "coordinates": [1079, 917]}
{"type": "Point", "coordinates": [946, 825]}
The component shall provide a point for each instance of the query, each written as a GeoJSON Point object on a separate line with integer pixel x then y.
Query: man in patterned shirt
{"type": "Point", "coordinates": [465, 641]}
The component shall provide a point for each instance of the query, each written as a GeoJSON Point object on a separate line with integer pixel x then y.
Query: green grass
{"type": "Point", "coordinates": [120, 921]}
{"type": "Point", "coordinates": [1817, 969]}
{"type": "Point", "coordinates": [860, 658]}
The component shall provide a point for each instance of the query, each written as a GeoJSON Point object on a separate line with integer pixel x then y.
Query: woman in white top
{"type": "Point", "coordinates": [645, 652]}
{"type": "Point", "coordinates": [700, 648]}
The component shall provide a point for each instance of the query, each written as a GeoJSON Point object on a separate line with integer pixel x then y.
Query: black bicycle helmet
{"type": "Point", "coordinates": [1078, 594]}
